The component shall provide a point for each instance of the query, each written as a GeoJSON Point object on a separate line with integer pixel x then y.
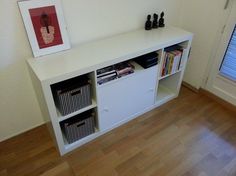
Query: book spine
{"type": "Point", "coordinates": [107, 76]}
{"type": "Point", "coordinates": [163, 64]}
{"type": "Point", "coordinates": [180, 60]}
{"type": "Point", "coordinates": [166, 64]}
{"type": "Point", "coordinates": [171, 63]}
{"type": "Point", "coordinates": [177, 60]}
{"type": "Point", "coordinates": [183, 58]}
{"type": "Point", "coordinates": [102, 81]}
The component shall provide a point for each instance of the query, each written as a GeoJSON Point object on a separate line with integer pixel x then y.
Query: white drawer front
{"type": "Point", "coordinates": [120, 100]}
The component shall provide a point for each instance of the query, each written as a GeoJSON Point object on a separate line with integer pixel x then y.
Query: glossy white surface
{"type": "Point", "coordinates": [91, 56]}
{"type": "Point", "coordinates": [126, 97]}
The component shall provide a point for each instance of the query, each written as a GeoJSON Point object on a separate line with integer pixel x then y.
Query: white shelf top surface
{"type": "Point", "coordinates": [88, 57]}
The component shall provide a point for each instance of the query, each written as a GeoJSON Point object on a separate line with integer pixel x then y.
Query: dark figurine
{"type": "Point", "coordinates": [161, 20]}
{"type": "Point", "coordinates": [155, 21]}
{"type": "Point", "coordinates": [148, 24]}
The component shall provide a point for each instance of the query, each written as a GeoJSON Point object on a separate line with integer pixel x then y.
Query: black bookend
{"type": "Point", "coordinates": [148, 24]}
{"type": "Point", "coordinates": [155, 21]}
{"type": "Point", "coordinates": [161, 20]}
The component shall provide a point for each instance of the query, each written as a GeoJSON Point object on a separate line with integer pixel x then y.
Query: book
{"type": "Point", "coordinates": [163, 63]}
{"type": "Point", "coordinates": [124, 71]}
{"type": "Point", "coordinates": [176, 60]}
{"type": "Point", "coordinates": [166, 64]}
{"type": "Point", "coordinates": [107, 76]}
{"type": "Point", "coordinates": [104, 80]}
{"type": "Point", "coordinates": [105, 70]}
{"type": "Point", "coordinates": [110, 73]}
{"type": "Point", "coordinates": [181, 59]}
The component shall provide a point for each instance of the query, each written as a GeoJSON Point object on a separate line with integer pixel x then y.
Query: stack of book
{"type": "Point", "coordinates": [106, 74]}
{"type": "Point", "coordinates": [124, 68]}
{"type": "Point", "coordinates": [113, 72]}
{"type": "Point", "coordinates": [172, 60]}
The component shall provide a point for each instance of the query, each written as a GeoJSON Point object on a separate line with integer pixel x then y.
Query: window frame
{"type": "Point", "coordinates": [225, 76]}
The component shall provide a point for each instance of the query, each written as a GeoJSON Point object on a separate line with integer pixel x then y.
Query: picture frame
{"type": "Point", "coordinates": [45, 26]}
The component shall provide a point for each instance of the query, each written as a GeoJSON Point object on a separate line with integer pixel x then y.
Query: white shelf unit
{"type": "Point", "coordinates": [168, 86]}
{"type": "Point", "coordinates": [115, 102]}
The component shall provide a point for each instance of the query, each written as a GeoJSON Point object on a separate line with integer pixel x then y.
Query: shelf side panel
{"type": "Point", "coordinates": [42, 102]}
{"type": "Point", "coordinates": [40, 96]}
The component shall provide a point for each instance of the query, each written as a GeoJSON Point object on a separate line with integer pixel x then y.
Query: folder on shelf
{"type": "Point", "coordinates": [147, 60]}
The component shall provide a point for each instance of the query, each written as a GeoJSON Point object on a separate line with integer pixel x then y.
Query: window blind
{"type": "Point", "coordinates": [228, 65]}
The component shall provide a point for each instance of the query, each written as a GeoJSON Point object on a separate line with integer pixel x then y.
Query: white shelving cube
{"type": "Point", "coordinates": [127, 97]}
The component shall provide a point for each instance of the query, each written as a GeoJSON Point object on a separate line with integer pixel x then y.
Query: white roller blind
{"type": "Point", "coordinates": [228, 65]}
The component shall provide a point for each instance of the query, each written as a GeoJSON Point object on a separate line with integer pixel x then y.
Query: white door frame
{"type": "Point", "coordinates": [217, 84]}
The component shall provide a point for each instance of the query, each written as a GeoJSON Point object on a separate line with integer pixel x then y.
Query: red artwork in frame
{"type": "Point", "coordinates": [46, 26]}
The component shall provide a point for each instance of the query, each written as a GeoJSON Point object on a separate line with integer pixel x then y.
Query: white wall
{"type": "Point", "coordinates": [205, 19]}
{"type": "Point", "coordinates": [18, 107]}
{"type": "Point", "coordinates": [87, 20]}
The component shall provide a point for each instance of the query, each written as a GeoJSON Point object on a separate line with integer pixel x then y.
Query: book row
{"type": "Point", "coordinates": [113, 72]}
{"type": "Point", "coordinates": [172, 61]}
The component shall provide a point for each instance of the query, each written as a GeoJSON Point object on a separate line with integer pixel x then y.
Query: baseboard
{"type": "Point", "coordinates": [219, 100]}
{"type": "Point", "coordinates": [21, 132]}
{"type": "Point", "coordinates": [187, 85]}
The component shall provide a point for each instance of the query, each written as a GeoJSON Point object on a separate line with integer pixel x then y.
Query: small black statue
{"type": "Point", "coordinates": [155, 21]}
{"type": "Point", "coordinates": [161, 20]}
{"type": "Point", "coordinates": [148, 24]}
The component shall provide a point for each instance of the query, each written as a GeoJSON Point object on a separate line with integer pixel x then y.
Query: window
{"type": "Point", "coordinates": [228, 65]}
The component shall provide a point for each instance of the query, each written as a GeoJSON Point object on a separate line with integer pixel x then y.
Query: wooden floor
{"type": "Point", "coordinates": [189, 136]}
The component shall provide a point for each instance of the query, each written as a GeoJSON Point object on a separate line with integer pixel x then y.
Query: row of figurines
{"type": "Point", "coordinates": [155, 23]}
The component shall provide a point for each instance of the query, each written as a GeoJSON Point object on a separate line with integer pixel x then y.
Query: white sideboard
{"type": "Point", "coordinates": [120, 100]}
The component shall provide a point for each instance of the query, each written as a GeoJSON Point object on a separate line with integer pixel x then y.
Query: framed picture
{"type": "Point", "coordinates": [45, 26]}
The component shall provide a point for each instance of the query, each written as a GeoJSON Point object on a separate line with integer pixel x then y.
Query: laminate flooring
{"type": "Point", "coordinates": [191, 135]}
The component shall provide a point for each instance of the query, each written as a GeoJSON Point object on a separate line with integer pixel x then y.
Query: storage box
{"type": "Point", "coordinates": [147, 60]}
{"type": "Point", "coordinates": [72, 95]}
{"type": "Point", "coordinates": [78, 127]}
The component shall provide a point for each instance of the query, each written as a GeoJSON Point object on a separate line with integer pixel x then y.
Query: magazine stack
{"type": "Point", "coordinates": [112, 72]}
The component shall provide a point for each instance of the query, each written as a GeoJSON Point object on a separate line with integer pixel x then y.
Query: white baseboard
{"type": "Point", "coordinates": [20, 132]}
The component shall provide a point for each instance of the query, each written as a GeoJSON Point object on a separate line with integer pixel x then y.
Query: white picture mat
{"type": "Point", "coordinates": [24, 8]}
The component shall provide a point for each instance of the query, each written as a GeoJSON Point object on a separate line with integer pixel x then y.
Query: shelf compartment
{"type": "Point", "coordinates": [172, 60]}
{"type": "Point", "coordinates": [164, 94]}
{"type": "Point", "coordinates": [69, 147]}
{"type": "Point", "coordinates": [72, 94]}
{"type": "Point", "coordinates": [138, 69]}
{"type": "Point", "coordinates": [78, 127]}
{"type": "Point", "coordinates": [168, 88]}
{"type": "Point", "coordinates": [61, 117]}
